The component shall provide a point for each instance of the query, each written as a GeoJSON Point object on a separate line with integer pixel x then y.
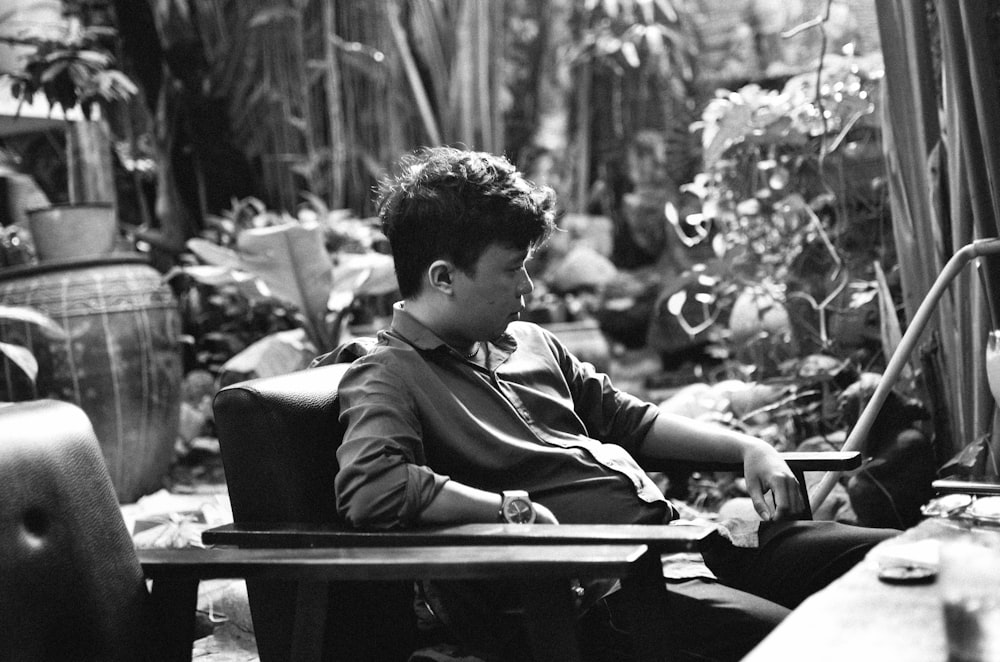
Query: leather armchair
{"type": "Point", "coordinates": [278, 438]}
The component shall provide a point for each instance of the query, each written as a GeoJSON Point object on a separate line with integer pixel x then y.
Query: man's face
{"type": "Point", "coordinates": [493, 295]}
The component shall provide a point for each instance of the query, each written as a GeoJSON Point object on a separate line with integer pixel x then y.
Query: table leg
{"type": "Point", "coordinates": [174, 605]}
{"type": "Point", "coordinates": [311, 603]}
{"type": "Point", "coordinates": [550, 620]}
{"type": "Point", "coordinates": [646, 602]}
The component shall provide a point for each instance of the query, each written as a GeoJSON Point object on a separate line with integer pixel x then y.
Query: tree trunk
{"type": "Point", "coordinates": [554, 81]}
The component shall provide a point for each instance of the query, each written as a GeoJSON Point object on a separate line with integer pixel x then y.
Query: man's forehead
{"type": "Point", "coordinates": [508, 252]}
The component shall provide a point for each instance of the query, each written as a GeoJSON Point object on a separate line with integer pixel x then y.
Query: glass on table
{"type": "Point", "coordinates": [969, 581]}
{"type": "Point", "coordinates": [993, 363]}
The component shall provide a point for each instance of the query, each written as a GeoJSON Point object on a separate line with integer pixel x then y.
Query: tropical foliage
{"type": "Point", "coordinates": [268, 290]}
{"type": "Point", "coordinates": [368, 81]}
{"type": "Point", "coordinates": [792, 198]}
{"type": "Point", "coordinates": [73, 63]}
{"type": "Point", "coordinates": [942, 81]}
{"type": "Point", "coordinates": [78, 69]}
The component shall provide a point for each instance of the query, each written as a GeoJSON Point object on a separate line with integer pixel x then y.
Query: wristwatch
{"type": "Point", "coordinates": [516, 508]}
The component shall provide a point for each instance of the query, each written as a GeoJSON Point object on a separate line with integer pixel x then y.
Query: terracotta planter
{"type": "Point", "coordinates": [71, 231]}
{"type": "Point", "coordinates": [121, 361]}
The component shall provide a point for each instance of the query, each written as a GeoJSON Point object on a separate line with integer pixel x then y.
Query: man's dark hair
{"type": "Point", "coordinates": [452, 204]}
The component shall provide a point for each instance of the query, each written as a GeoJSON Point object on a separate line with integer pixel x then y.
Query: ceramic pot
{"type": "Point", "coordinates": [71, 231]}
{"type": "Point", "coordinates": [120, 362]}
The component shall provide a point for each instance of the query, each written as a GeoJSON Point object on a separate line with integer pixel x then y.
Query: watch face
{"type": "Point", "coordinates": [518, 511]}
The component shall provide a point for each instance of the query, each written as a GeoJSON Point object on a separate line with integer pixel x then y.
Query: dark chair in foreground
{"type": "Point", "coordinates": [278, 439]}
{"type": "Point", "coordinates": [72, 586]}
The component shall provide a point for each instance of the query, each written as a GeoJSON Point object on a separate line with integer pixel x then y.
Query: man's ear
{"type": "Point", "coordinates": [440, 276]}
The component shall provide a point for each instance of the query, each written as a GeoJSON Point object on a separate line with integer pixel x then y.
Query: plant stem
{"type": "Point", "coordinates": [71, 164]}
{"type": "Point", "coordinates": [412, 74]}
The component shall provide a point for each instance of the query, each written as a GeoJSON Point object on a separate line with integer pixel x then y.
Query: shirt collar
{"type": "Point", "coordinates": [423, 338]}
{"type": "Point", "coordinates": [410, 328]}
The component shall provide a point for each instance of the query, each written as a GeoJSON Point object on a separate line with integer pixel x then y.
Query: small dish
{"type": "Point", "coordinates": [947, 505]}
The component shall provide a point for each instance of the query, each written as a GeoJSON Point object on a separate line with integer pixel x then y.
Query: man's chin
{"type": "Point", "coordinates": [503, 328]}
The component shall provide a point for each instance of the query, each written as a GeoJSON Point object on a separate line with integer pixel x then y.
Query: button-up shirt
{"type": "Point", "coordinates": [417, 414]}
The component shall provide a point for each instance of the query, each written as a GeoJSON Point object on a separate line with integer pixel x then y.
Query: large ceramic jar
{"type": "Point", "coordinates": [120, 360]}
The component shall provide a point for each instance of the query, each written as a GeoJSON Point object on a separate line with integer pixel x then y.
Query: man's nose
{"type": "Point", "coordinates": [526, 286]}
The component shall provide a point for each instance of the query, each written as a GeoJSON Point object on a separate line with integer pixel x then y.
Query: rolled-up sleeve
{"type": "Point", "coordinates": [383, 480]}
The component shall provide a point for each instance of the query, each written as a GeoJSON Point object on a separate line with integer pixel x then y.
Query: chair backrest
{"type": "Point", "coordinates": [278, 437]}
{"type": "Point", "coordinates": [71, 586]}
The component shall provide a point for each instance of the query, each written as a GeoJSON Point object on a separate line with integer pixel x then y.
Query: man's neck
{"type": "Point", "coordinates": [429, 314]}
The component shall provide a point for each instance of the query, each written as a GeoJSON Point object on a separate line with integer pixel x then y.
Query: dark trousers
{"type": "Point", "coordinates": [709, 620]}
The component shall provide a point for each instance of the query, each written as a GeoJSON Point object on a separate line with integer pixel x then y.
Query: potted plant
{"type": "Point", "coordinates": [120, 358]}
{"type": "Point", "coordinates": [76, 70]}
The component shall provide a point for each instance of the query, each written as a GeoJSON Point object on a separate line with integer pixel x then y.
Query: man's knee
{"type": "Point", "coordinates": [794, 559]}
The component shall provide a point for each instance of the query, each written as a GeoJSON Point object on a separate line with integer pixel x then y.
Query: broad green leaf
{"type": "Point", "coordinates": [22, 358]}
{"type": "Point", "coordinates": [52, 72]}
{"type": "Point", "coordinates": [668, 10]}
{"type": "Point", "coordinates": [244, 282]}
{"type": "Point", "coordinates": [213, 254]}
{"type": "Point", "coordinates": [33, 316]}
{"type": "Point", "coordinates": [277, 354]}
{"type": "Point", "coordinates": [292, 261]}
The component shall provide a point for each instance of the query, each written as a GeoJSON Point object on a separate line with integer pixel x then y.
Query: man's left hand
{"type": "Point", "coordinates": [766, 472]}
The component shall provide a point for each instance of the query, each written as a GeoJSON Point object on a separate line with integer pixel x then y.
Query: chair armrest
{"type": "Point", "coordinates": [798, 461]}
{"type": "Point", "coordinates": [822, 460]}
{"type": "Point", "coordinates": [662, 539]}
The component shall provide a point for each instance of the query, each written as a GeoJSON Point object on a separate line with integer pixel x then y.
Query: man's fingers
{"type": "Point", "coordinates": [787, 499]}
{"type": "Point", "coordinates": [761, 505]}
{"type": "Point", "coordinates": [782, 506]}
{"type": "Point", "coordinates": [777, 501]}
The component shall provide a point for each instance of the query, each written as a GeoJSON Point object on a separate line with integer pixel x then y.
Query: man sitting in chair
{"type": "Point", "coordinates": [461, 413]}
